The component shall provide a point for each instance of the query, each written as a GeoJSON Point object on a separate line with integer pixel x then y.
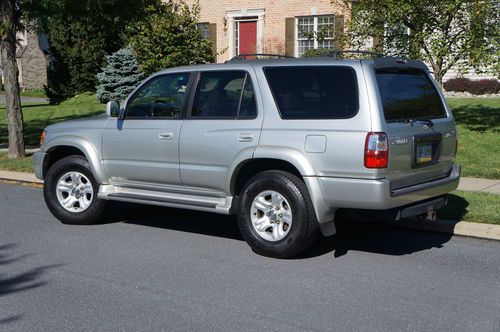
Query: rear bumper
{"type": "Point", "coordinates": [377, 194]}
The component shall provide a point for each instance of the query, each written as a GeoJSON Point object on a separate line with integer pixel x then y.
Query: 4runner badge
{"type": "Point", "coordinates": [400, 141]}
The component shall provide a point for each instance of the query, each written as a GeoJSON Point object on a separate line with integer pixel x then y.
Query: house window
{"type": "Point", "coordinates": [315, 32]}
{"type": "Point", "coordinates": [236, 37]}
{"type": "Point", "coordinates": [204, 30]}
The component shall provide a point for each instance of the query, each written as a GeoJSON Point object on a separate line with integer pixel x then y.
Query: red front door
{"type": "Point", "coordinates": [248, 37]}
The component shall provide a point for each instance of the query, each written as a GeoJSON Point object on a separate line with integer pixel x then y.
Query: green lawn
{"type": "Point", "coordinates": [40, 115]}
{"type": "Point", "coordinates": [37, 93]}
{"type": "Point", "coordinates": [18, 165]}
{"type": "Point", "coordinates": [473, 207]}
{"type": "Point", "coordinates": [478, 126]}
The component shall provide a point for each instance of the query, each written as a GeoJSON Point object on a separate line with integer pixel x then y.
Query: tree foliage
{"type": "Point", "coordinates": [81, 34]}
{"type": "Point", "coordinates": [120, 76]}
{"type": "Point", "coordinates": [441, 33]}
{"type": "Point", "coordinates": [168, 36]}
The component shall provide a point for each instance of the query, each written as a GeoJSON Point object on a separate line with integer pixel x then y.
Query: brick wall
{"type": "Point", "coordinates": [273, 20]}
{"type": "Point", "coordinates": [32, 64]}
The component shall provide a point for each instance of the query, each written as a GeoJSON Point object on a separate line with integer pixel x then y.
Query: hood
{"type": "Point", "coordinates": [93, 122]}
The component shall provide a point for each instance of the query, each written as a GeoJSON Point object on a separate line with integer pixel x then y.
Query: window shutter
{"type": "Point", "coordinates": [290, 36]}
{"type": "Point", "coordinates": [339, 31]}
{"type": "Point", "coordinates": [212, 36]}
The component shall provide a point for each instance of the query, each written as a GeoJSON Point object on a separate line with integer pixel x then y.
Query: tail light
{"type": "Point", "coordinates": [376, 150]}
{"type": "Point", "coordinates": [42, 138]}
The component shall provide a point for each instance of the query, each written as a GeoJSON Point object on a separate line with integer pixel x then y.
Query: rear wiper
{"type": "Point", "coordinates": [411, 121]}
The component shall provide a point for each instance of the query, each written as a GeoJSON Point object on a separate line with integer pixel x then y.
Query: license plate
{"type": "Point", "coordinates": [424, 153]}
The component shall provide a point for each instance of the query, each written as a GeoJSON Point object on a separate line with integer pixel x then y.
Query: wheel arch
{"type": "Point", "coordinates": [291, 161]}
{"type": "Point", "coordinates": [64, 146]}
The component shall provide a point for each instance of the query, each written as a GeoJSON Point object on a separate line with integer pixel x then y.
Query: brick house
{"type": "Point", "coordinates": [269, 26]}
{"type": "Point", "coordinates": [32, 60]}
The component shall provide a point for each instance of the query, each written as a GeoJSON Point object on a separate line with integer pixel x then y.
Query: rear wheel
{"type": "Point", "coordinates": [276, 216]}
{"type": "Point", "coordinates": [70, 192]}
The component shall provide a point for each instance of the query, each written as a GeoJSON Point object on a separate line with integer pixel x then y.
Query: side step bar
{"type": "Point", "coordinates": [124, 196]}
{"type": "Point", "coordinates": [216, 204]}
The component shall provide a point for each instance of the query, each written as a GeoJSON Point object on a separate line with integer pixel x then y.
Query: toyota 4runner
{"type": "Point", "coordinates": [284, 144]}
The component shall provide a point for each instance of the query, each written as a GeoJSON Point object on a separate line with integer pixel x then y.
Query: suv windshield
{"type": "Point", "coordinates": [408, 95]}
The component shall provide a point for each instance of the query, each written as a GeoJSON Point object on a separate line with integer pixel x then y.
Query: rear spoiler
{"type": "Point", "coordinates": [399, 63]}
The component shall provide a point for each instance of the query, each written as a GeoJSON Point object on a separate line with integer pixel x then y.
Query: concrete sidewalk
{"type": "Point", "coordinates": [480, 185]}
{"type": "Point", "coordinates": [466, 184]}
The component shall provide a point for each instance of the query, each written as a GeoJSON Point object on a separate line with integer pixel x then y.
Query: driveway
{"type": "Point", "coordinates": [24, 100]}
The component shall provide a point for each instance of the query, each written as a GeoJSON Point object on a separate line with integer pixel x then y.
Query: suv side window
{"type": "Point", "coordinates": [161, 97]}
{"type": "Point", "coordinates": [314, 92]}
{"type": "Point", "coordinates": [224, 94]}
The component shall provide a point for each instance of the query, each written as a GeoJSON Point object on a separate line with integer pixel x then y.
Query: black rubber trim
{"type": "Point", "coordinates": [454, 176]}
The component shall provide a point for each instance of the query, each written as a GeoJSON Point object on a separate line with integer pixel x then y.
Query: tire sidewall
{"type": "Point", "coordinates": [69, 164]}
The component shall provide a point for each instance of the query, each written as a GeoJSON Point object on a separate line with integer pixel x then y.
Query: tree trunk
{"type": "Point", "coordinates": [11, 83]}
{"type": "Point", "coordinates": [438, 77]}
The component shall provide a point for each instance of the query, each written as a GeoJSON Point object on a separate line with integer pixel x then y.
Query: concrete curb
{"type": "Point", "coordinates": [19, 177]}
{"type": "Point", "coordinates": [463, 228]}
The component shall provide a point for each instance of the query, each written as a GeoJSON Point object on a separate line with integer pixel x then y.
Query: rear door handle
{"type": "Point", "coordinates": [245, 138]}
{"type": "Point", "coordinates": [165, 135]}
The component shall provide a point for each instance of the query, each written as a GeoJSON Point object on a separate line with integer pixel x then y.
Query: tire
{"type": "Point", "coordinates": [274, 232]}
{"type": "Point", "coordinates": [71, 180]}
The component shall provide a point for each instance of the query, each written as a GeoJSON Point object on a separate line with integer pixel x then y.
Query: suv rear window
{"type": "Point", "coordinates": [314, 92]}
{"type": "Point", "coordinates": [408, 95]}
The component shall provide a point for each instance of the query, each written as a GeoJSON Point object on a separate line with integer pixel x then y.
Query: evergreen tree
{"type": "Point", "coordinates": [167, 36]}
{"type": "Point", "coordinates": [120, 76]}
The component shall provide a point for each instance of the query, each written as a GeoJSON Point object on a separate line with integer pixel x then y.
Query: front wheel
{"type": "Point", "coordinates": [70, 192]}
{"type": "Point", "coordinates": [276, 216]}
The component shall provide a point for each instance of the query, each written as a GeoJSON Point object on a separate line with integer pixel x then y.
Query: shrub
{"type": "Point", "coordinates": [483, 87]}
{"type": "Point", "coordinates": [310, 53]}
{"type": "Point", "coordinates": [458, 84]}
{"type": "Point", "coordinates": [120, 76]}
{"type": "Point", "coordinates": [475, 87]}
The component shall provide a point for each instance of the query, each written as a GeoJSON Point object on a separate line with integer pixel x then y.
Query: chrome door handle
{"type": "Point", "coordinates": [245, 138]}
{"type": "Point", "coordinates": [166, 135]}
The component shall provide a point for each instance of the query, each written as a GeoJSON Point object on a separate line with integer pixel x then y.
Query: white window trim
{"type": "Point", "coordinates": [315, 29]}
{"type": "Point", "coordinates": [239, 15]}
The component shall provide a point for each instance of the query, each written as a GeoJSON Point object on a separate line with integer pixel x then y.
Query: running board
{"type": "Point", "coordinates": [193, 202]}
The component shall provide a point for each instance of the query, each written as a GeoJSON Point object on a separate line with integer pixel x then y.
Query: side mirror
{"type": "Point", "coordinates": [112, 109]}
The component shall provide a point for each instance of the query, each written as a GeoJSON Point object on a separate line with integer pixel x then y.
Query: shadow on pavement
{"type": "Point", "coordinates": [372, 236]}
{"type": "Point", "coordinates": [18, 282]}
{"type": "Point", "coordinates": [10, 319]}
{"type": "Point", "coordinates": [176, 219]}
{"type": "Point", "coordinates": [375, 237]}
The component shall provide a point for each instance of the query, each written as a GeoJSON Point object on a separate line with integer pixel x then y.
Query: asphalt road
{"type": "Point", "coordinates": [165, 269]}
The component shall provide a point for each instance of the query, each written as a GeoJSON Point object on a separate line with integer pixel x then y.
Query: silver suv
{"type": "Point", "coordinates": [285, 144]}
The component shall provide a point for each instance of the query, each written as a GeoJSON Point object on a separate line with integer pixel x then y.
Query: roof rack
{"type": "Point", "coordinates": [244, 56]}
{"type": "Point", "coordinates": [336, 53]}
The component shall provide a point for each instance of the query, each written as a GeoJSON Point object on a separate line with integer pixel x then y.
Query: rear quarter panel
{"type": "Point", "coordinates": [344, 139]}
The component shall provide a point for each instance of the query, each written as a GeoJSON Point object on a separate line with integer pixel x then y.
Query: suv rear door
{"type": "Point", "coordinates": [222, 126]}
{"type": "Point", "coordinates": [421, 131]}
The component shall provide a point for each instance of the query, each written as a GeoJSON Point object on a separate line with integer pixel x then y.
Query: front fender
{"type": "Point", "coordinates": [82, 144]}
